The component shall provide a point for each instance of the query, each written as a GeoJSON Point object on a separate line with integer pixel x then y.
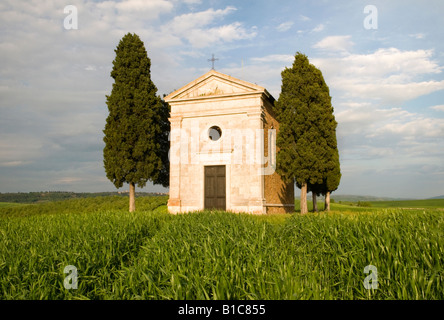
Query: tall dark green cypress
{"type": "Point", "coordinates": [136, 130]}
{"type": "Point", "coordinates": [329, 158]}
{"type": "Point", "coordinates": [307, 136]}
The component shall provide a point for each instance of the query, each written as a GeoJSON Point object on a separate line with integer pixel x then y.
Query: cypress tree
{"type": "Point", "coordinates": [333, 175]}
{"type": "Point", "coordinates": [307, 136]}
{"type": "Point", "coordinates": [329, 158]}
{"type": "Point", "coordinates": [136, 130]}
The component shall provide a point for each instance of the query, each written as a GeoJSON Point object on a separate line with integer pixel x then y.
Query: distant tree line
{"type": "Point", "coordinates": [45, 196]}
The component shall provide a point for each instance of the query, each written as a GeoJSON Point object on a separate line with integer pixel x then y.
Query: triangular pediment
{"type": "Point", "coordinates": [213, 84]}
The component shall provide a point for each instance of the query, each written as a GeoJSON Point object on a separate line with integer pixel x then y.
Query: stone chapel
{"type": "Point", "coordinates": [223, 148]}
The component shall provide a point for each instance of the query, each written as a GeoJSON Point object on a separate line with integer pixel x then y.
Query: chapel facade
{"type": "Point", "coordinates": [223, 148]}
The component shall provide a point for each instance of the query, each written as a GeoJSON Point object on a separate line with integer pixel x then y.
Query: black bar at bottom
{"type": "Point", "coordinates": [221, 309]}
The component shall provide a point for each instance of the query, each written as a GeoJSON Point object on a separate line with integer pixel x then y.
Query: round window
{"type": "Point", "coordinates": [214, 133]}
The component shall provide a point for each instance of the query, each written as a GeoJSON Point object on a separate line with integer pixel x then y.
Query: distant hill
{"type": "Point", "coordinates": [355, 198]}
{"type": "Point", "coordinates": [438, 197]}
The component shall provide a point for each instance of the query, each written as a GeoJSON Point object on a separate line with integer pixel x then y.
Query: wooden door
{"type": "Point", "coordinates": [215, 187]}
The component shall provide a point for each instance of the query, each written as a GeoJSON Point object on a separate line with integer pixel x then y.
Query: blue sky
{"type": "Point", "coordinates": [387, 84]}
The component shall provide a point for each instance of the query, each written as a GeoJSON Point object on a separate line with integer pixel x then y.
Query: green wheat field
{"type": "Point", "coordinates": [151, 254]}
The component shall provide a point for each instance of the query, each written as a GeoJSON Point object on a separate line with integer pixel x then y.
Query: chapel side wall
{"type": "Point", "coordinates": [276, 191]}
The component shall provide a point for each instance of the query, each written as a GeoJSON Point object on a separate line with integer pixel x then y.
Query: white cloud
{"type": "Point", "coordinates": [319, 28]}
{"type": "Point", "coordinates": [415, 129]}
{"type": "Point", "coordinates": [141, 5]}
{"type": "Point", "coordinates": [274, 58]}
{"type": "Point", "coordinates": [386, 91]}
{"type": "Point", "coordinates": [438, 107]}
{"type": "Point", "coordinates": [185, 22]}
{"type": "Point", "coordinates": [67, 180]}
{"type": "Point", "coordinates": [149, 9]}
{"type": "Point", "coordinates": [227, 33]}
{"type": "Point", "coordinates": [405, 137]}
{"type": "Point", "coordinates": [417, 35]}
{"type": "Point", "coordinates": [381, 152]}
{"type": "Point", "coordinates": [197, 30]}
{"type": "Point", "coordinates": [304, 18]}
{"type": "Point", "coordinates": [192, 1]}
{"type": "Point", "coordinates": [385, 61]}
{"type": "Point", "coordinates": [14, 163]}
{"type": "Point", "coordinates": [388, 75]}
{"type": "Point", "coordinates": [284, 26]}
{"type": "Point", "coordinates": [335, 44]}
{"type": "Point", "coordinates": [366, 119]}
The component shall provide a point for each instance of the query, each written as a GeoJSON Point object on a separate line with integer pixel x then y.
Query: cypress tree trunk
{"type": "Point", "coordinates": [315, 204]}
{"type": "Point", "coordinates": [132, 197]}
{"type": "Point", "coordinates": [327, 201]}
{"type": "Point", "coordinates": [304, 209]}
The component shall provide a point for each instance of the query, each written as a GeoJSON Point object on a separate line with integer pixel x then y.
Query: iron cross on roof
{"type": "Point", "coordinates": [212, 61]}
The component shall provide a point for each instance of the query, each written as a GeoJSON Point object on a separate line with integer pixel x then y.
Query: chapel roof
{"type": "Point", "coordinates": [216, 84]}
